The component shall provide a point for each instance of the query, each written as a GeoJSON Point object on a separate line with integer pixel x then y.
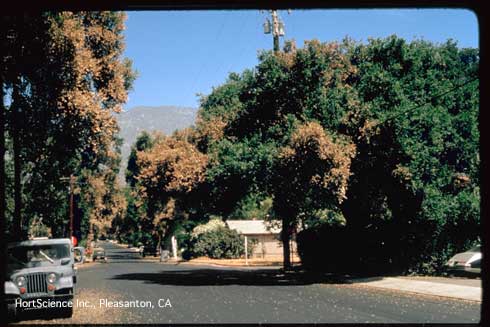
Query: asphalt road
{"type": "Point", "coordinates": [206, 294]}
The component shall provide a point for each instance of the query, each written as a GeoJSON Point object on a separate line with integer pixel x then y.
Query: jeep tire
{"type": "Point", "coordinates": [66, 312]}
{"type": "Point", "coordinates": [11, 311]}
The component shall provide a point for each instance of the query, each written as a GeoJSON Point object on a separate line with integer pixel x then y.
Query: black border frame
{"type": "Point", "coordinates": [476, 6]}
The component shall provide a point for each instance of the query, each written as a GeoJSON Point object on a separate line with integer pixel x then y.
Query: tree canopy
{"type": "Point", "coordinates": [67, 76]}
{"type": "Point", "coordinates": [378, 140]}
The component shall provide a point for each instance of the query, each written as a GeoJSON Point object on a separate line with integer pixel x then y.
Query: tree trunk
{"type": "Point", "coordinates": [3, 243]}
{"type": "Point", "coordinates": [18, 232]}
{"type": "Point", "coordinates": [286, 250]}
{"type": "Point", "coordinates": [17, 185]}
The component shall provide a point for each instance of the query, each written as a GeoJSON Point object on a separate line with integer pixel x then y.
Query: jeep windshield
{"type": "Point", "coordinates": [38, 255]}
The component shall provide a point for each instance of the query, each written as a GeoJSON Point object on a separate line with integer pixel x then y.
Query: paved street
{"type": "Point", "coordinates": [206, 294]}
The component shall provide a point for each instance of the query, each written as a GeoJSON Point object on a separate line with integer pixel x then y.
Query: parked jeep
{"type": "Point", "coordinates": [41, 274]}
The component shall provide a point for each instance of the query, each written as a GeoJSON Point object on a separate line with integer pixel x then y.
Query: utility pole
{"type": "Point", "coordinates": [72, 180]}
{"type": "Point", "coordinates": [276, 28]}
{"type": "Point", "coordinates": [72, 186]}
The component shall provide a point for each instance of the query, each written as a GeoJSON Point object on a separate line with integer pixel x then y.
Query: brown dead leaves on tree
{"type": "Point", "coordinates": [316, 158]}
{"type": "Point", "coordinates": [171, 166]}
{"type": "Point", "coordinates": [95, 75]}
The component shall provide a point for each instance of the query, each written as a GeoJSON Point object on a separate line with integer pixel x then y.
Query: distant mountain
{"type": "Point", "coordinates": [165, 119]}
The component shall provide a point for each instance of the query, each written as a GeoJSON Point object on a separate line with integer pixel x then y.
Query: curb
{"type": "Point", "coordinates": [452, 291]}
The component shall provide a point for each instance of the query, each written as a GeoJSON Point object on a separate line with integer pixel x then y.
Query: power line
{"type": "Point", "coordinates": [433, 98]}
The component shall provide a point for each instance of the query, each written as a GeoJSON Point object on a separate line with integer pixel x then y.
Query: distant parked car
{"type": "Point", "coordinates": [469, 261]}
{"type": "Point", "coordinates": [148, 250]}
{"type": "Point", "coordinates": [99, 253]}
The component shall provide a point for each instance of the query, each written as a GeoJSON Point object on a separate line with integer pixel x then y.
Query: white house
{"type": "Point", "coordinates": [265, 235]}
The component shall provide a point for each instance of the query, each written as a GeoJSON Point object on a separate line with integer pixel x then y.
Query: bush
{"type": "Point", "coordinates": [219, 243]}
{"type": "Point", "coordinates": [211, 225]}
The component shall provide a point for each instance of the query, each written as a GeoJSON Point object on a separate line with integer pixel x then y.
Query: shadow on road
{"type": "Point", "coordinates": [124, 255]}
{"type": "Point", "coordinates": [202, 277]}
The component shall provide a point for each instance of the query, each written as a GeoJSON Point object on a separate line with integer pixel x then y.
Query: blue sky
{"type": "Point", "coordinates": [179, 54]}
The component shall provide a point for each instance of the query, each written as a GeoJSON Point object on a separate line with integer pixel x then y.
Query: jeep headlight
{"type": "Point", "coordinates": [20, 281]}
{"type": "Point", "coordinates": [51, 278]}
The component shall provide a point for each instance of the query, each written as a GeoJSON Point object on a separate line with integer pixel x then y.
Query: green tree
{"type": "Point", "coordinates": [411, 111]}
{"type": "Point", "coordinates": [134, 228]}
{"type": "Point", "coordinates": [418, 141]}
{"type": "Point", "coordinates": [286, 90]}
{"type": "Point", "coordinates": [143, 142]}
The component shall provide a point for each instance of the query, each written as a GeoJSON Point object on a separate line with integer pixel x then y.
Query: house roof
{"type": "Point", "coordinates": [254, 227]}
